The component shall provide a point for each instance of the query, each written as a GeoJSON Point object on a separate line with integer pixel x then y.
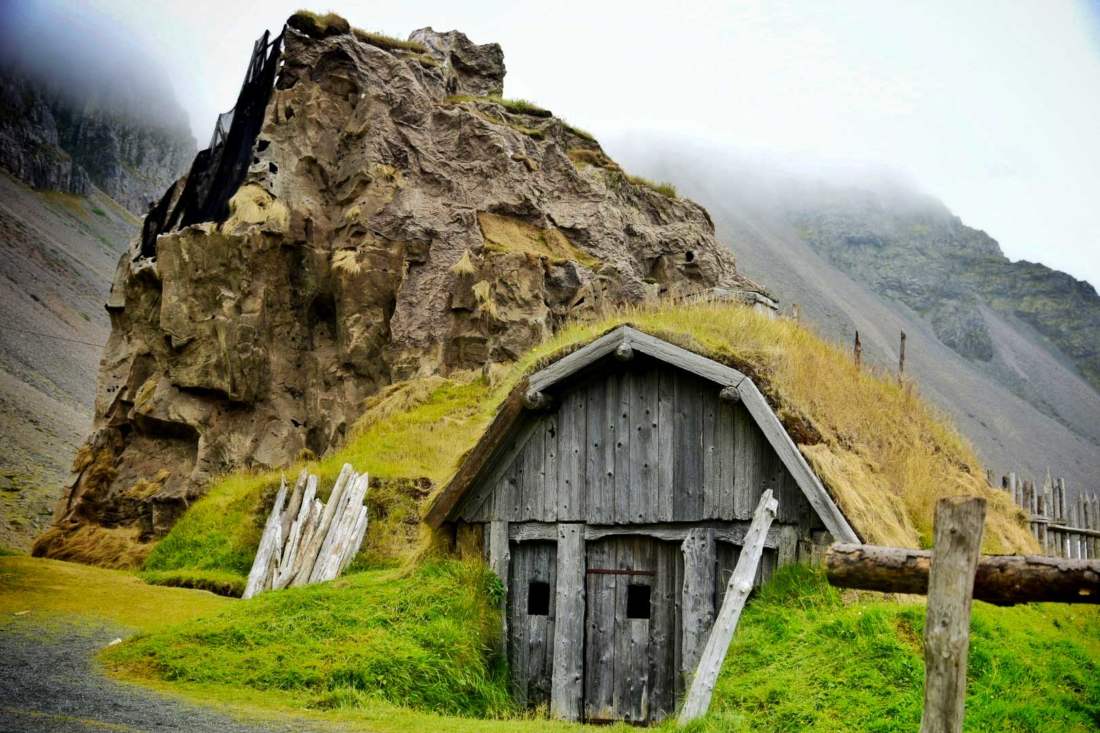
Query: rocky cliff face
{"type": "Point", "coordinates": [392, 217]}
{"type": "Point", "coordinates": [920, 254]}
{"type": "Point", "coordinates": [68, 142]}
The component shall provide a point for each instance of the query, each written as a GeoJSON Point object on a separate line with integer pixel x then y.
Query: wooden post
{"type": "Point", "coordinates": [901, 358]}
{"type": "Point", "coordinates": [737, 592]}
{"type": "Point", "coordinates": [794, 312]}
{"type": "Point", "coordinates": [567, 681]}
{"type": "Point", "coordinates": [958, 540]}
{"type": "Point", "coordinates": [700, 558]}
{"type": "Point", "coordinates": [857, 350]}
{"type": "Point", "coordinates": [270, 542]}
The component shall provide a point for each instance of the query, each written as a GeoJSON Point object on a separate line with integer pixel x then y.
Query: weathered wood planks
{"type": "Point", "coordinates": [567, 687]}
{"type": "Point", "coordinates": [319, 540]}
{"type": "Point", "coordinates": [645, 444]}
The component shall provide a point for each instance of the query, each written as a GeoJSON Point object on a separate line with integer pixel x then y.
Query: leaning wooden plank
{"type": "Point", "coordinates": [958, 541]}
{"type": "Point", "coordinates": [349, 527]}
{"type": "Point", "coordinates": [293, 543]}
{"type": "Point", "coordinates": [310, 552]}
{"type": "Point", "coordinates": [1001, 579]}
{"type": "Point", "coordinates": [328, 561]}
{"type": "Point", "coordinates": [290, 513]}
{"type": "Point", "coordinates": [312, 520]}
{"type": "Point", "coordinates": [567, 677]}
{"type": "Point", "coordinates": [261, 566]}
{"type": "Point", "coordinates": [737, 592]}
{"type": "Point", "coordinates": [357, 539]}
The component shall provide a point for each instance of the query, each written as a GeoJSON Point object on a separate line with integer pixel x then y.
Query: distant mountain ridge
{"type": "Point", "coordinates": [925, 257]}
{"type": "Point", "coordinates": [1007, 349]}
{"type": "Point", "coordinates": [56, 140]}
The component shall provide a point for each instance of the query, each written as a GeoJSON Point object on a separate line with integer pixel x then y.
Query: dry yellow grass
{"type": "Point", "coordinates": [508, 234]}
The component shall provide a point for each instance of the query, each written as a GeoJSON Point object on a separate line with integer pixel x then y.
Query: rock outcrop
{"type": "Point", "coordinates": [393, 218]}
{"type": "Point", "coordinates": [61, 141]}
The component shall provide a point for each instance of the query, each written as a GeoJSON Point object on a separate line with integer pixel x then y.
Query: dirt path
{"type": "Point", "coordinates": [49, 682]}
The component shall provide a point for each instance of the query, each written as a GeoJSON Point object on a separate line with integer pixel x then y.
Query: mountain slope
{"type": "Point", "coordinates": [58, 252]}
{"type": "Point", "coordinates": [1026, 408]}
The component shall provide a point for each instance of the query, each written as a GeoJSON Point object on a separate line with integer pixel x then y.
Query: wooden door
{"type": "Point", "coordinates": [631, 644]}
{"type": "Point", "coordinates": [531, 621]}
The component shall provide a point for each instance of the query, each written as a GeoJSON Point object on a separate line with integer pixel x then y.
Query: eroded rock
{"type": "Point", "coordinates": [385, 228]}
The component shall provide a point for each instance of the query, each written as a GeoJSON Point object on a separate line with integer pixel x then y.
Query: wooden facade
{"type": "Point", "coordinates": [614, 496]}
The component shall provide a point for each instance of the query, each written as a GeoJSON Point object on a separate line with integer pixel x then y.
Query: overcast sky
{"type": "Point", "coordinates": [994, 107]}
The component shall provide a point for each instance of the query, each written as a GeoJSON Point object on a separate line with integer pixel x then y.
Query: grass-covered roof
{"type": "Point", "coordinates": [884, 454]}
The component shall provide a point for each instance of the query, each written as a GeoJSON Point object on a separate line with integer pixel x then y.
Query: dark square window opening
{"type": "Point", "coordinates": [637, 601]}
{"type": "Point", "coordinates": [538, 598]}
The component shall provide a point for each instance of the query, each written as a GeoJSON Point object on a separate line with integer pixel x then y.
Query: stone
{"type": "Point", "coordinates": [384, 229]}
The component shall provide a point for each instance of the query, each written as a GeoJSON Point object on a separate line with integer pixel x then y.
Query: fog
{"type": "Point", "coordinates": [89, 58]}
{"type": "Point", "coordinates": [991, 106]}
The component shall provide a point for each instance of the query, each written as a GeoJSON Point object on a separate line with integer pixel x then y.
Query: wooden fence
{"type": "Point", "coordinates": [1064, 527]}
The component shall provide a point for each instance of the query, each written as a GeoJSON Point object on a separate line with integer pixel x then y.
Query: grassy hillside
{"type": "Point", "coordinates": [422, 638]}
{"type": "Point", "coordinates": [805, 658]}
{"type": "Point", "coordinates": [882, 452]}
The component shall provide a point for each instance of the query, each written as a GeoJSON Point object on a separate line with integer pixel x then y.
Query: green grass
{"type": "Point", "coordinates": [803, 660]}
{"type": "Point", "coordinates": [423, 638]}
{"type": "Point", "coordinates": [50, 589]}
{"type": "Point", "coordinates": [216, 581]}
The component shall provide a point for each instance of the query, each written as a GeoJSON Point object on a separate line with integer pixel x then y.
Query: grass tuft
{"type": "Point", "coordinates": [390, 43]}
{"type": "Point", "coordinates": [218, 582]}
{"type": "Point", "coordinates": [664, 188]}
{"type": "Point", "coordinates": [318, 25]}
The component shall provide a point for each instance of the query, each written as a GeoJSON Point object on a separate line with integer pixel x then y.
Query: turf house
{"type": "Point", "coordinates": [611, 494]}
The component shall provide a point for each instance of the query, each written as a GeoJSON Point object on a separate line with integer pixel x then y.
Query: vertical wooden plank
{"type": "Point", "coordinates": [705, 674]}
{"type": "Point", "coordinates": [637, 683]}
{"type": "Point", "coordinates": [663, 668]}
{"type": "Point", "coordinates": [711, 471]}
{"type": "Point", "coordinates": [572, 447]}
{"type": "Point", "coordinates": [666, 434]}
{"type": "Point", "coordinates": [541, 639]}
{"type": "Point", "coordinates": [750, 446]}
{"type": "Point", "coordinates": [787, 546]}
{"type": "Point", "coordinates": [727, 451]}
{"type": "Point", "coordinates": [595, 480]}
{"type": "Point", "coordinates": [698, 595]}
{"type": "Point", "coordinates": [643, 448]}
{"type": "Point", "coordinates": [623, 428]}
{"type": "Point", "coordinates": [958, 539]}
{"type": "Point", "coordinates": [599, 633]}
{"type": "Point", "coordinates": [499, 561]}
{"type": "Point", "coordinates": [550, 467]}
{"type": "Point", "coordinates": [688, 466]}
{"type": "Point", "coordinates": [530, 486]}
{"type": "Point", "coordinates": [567, 685]}
{"type": "Point", "coordinates": [519, 624]}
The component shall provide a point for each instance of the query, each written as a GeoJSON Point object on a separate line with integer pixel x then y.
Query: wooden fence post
{"type": "Point", "coordinates": [857, 350]}
{"type": "Point", "coordinates": [901, 358]}
{"type": "Point", "coordinates": [958, 539]}
{"type": "Point", "coordinates": [737, 592]}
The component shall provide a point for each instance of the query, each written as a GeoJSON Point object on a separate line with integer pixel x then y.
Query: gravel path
{"type": "Point", "coordinates": [49, 682]}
